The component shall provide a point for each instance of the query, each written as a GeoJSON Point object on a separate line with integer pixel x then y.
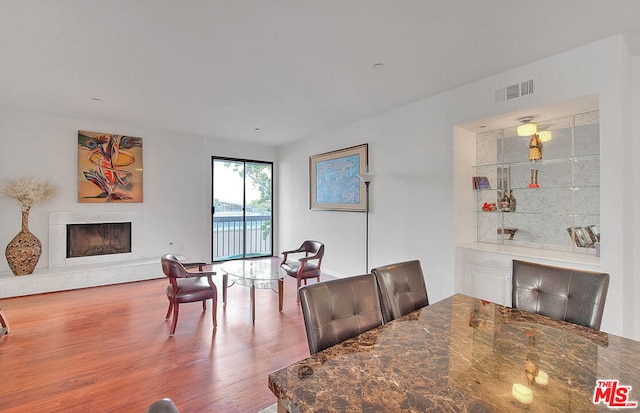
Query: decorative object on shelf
{"type": "Point", "coordinates": [504, 177]}
{"type": "Point", "coordinates": [334, 182]}
{"type": "Point", "coordinates": [535, 148]}
{"type": "Point", "coordinates": [534, 179]}
{"type": "Point", "coordinates": [593, 232]}
{"type": "Point", "coordinates": [505, 204]}
{"type": "Point", "coordinates": [481, 182]}
{"type": "Point", "coordinates": [489, 207]}
{"type": "Point", "coordinates": [511, 232]}
{"type": "Point", "coordinates": [580, 237]}
{"type": "Point", "coordinates": [24, 250]}
{"type": "Point", "coordinates": [512, 201]}
{"type": "Point", "coordinates": [527, 127]}
{"type": "Point", "coordinates": [367, 178]}
{"type": "Point", "coordinates": [109, 168]}
{"type": "Point", "coordinates": [504, 183]}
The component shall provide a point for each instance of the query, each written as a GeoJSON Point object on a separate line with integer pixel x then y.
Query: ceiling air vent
{"type": "Point", "coordinates": [514, 91]}
{"type": "Point", "coordinates": [527, 88]}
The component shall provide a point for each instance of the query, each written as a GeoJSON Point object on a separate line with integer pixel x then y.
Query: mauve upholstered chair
{"type": "Point", "coordinates": [187, 287]}
{"type": "Point", "coordinates": [308, 266]}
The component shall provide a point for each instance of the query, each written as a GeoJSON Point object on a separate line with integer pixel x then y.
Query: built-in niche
{"type": "Point", "coordinates": [557, 198]}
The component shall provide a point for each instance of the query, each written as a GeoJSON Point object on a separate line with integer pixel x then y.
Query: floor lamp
{"type": "Point", "coordinates": [367, 178]}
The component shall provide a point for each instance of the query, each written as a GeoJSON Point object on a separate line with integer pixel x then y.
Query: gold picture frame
{"type": "Point", "coordinates": [333, 179]}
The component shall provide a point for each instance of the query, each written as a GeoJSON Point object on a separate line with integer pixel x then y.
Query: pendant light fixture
{"type": "Point", "coordinates": [527, 127]}
{"type": "Point", "coordinates": [544, 135]}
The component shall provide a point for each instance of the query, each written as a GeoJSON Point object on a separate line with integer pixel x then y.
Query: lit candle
{"type": "Point", "coordinates": [522, 393]}
{"type": "Point", "coordinates": [543, 378]}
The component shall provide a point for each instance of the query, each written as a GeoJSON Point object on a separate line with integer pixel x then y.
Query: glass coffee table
{"type": "Point", "coordinates": [254, 273]}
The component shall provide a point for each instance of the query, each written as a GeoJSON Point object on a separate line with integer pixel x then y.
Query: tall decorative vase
{"type": "Point", "coordinates": [24, 250]}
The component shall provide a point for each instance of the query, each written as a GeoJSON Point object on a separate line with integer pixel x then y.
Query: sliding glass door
{"type": "Point", "coordinates": [242, 207]}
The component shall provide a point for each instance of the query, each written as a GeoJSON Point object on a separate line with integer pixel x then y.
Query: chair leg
{"type": "Point", "coordinates": [297, 294]}
{"type": "Point", "coordinates": [169, 310]}
{"type": "Point", "coordinates": [214, 309]}
{"type": "Point", "coordinates": [204, 305]}
{"type": "Point", "coordinates": [174, 322]}
{"type": "Point", "coordinates": [4, 325]}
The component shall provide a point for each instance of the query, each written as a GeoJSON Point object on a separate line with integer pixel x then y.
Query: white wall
{"type": "Point", "coordinates": [411, 150]}
{"type": "Point", "coordinates": [177, 178]}
{"type": "Point", "coordinates": [634, 150]}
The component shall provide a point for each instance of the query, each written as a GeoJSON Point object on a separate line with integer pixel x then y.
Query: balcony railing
{"type": "Point", "coordinates": [229, 236]}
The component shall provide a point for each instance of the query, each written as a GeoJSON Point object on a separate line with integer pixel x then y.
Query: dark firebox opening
{"type": "Point", "coordinates": [86, 240]}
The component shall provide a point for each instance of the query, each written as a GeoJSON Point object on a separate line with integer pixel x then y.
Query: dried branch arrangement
{"type": "Point", "coordinates": [29, 191]}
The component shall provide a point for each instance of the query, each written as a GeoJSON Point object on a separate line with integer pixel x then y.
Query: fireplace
{"type": "Point", "coordinates": [86, 240]}
{"type": "Point", "coordinates": [104, 236]}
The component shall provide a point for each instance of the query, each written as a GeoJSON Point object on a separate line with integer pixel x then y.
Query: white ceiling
{"type": "Point", "coordinates": [288, 67]}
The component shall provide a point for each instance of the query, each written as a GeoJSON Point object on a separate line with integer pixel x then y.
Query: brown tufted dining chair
{"type": "Point", "coordinates": [561, 293]}
{"type": "Point", "coordinates": [402, 288]}
{"type": "Point", "coordinates": [307, 266]}
{"type": "Point", "coordinates": [187, 287]}
{"type": "Point", "coordinates": [337, 310]}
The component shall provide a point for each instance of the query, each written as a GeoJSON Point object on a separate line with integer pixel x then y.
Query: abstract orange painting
{"type": "Point", "coordinates": [109, 168]}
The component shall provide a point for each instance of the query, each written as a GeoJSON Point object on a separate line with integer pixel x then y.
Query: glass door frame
{"type": "Point", "coordinates": [244, 207]}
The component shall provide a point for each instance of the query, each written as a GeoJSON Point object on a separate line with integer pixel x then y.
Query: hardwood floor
{"type": "Point", "coordinates": [108, 349]}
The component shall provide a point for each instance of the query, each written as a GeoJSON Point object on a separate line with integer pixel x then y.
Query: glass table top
{"type": "Point", "coordinates": [260, 272]}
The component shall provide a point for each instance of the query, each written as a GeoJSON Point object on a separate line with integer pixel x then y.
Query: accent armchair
{"type": "Point", "coordinates": [306, 267]}
{"type": "Point", "coordinates": [187, 287]}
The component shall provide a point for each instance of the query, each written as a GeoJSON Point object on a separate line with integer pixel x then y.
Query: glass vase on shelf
{"type": "Point", "coordinates": [505, 203]}
{"type": "Point", "coordinates": [512, 201]}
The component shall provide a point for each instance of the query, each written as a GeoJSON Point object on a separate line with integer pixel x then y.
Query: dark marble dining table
{"type": "Point", "coordinates": [464, 354]}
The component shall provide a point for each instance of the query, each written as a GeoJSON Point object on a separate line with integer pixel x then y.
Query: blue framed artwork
{"type": "Point", "coordinates": [333, 179]}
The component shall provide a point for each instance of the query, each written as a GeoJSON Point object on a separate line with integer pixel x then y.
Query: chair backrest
{"type": "Point", "coordinates": [313, 248]}
{"type": "Point", "coordinates": [561, 293]}
{"type": "Point", "coordinates": [171, 267]}
{"type": "Point", "coordinates": [337, 310]}
{"type": "Point", "coordinates": [402, 288]}
{"type": "Point", "coordinates": [165, 405]}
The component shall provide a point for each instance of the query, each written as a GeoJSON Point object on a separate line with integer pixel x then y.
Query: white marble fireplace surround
{"type": "Point", "coordinates": [81, 272]}
{"type": "Point", "coordinates": [58, 222]}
